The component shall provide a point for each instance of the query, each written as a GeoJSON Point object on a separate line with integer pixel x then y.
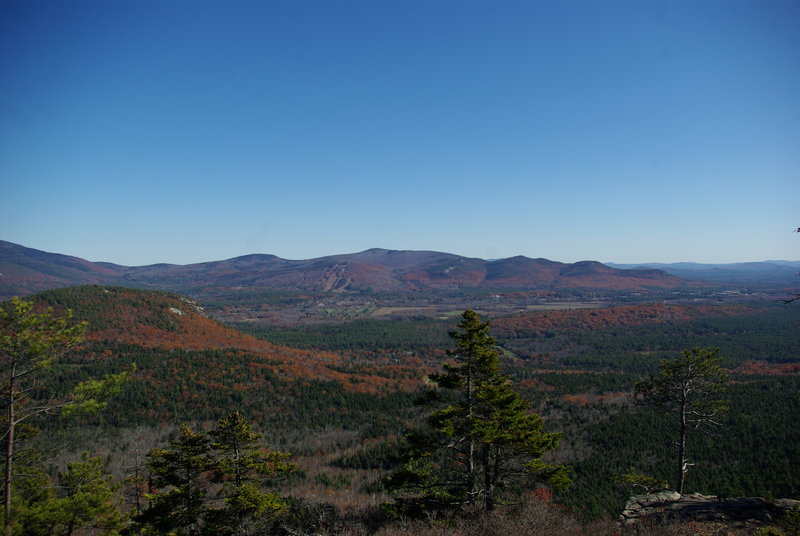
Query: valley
{"type": "Point", "coordinates": [351, 386]}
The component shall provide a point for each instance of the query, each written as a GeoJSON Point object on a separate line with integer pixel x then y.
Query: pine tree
{"type": "Point", "coordinates": [213, 483]}
{"type": "Point", "coordinates": [483, 439]}
{"type": "Point", "coordinates": [688, 387]}
{"type": "Point", "coordinates": [242, 465]}
{"type": "Point", "coordinates": [180, 477]}
{"type": "Point", "coordinates": [84, 498]}
{"type": "Point", "coordinates": [30, 343]}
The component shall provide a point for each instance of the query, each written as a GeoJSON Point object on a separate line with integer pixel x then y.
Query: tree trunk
{"type": "Point", "coordinates": [9, 451]}
{"type": "Point", "coordinates": [238, 477]}
{"type": "Point", "coordinates": [488, 479]}
{"type": "Point", "coordinates": [680, 462]}
{"type": "Point", "coordinates": [471, 438]}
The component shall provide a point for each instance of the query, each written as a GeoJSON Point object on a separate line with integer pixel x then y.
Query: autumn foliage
{"type": "Point", "coordinates": [609, 317]}
{"type": "Point", "coordinates": [166, 321]}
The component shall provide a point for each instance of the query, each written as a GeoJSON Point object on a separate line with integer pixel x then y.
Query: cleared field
{"type": "Point", "coordinates": [389, 311]}
{"type": "Point", "coordinates": [564, 306]}
{"type": "Point", "coordinates": [453, 311]}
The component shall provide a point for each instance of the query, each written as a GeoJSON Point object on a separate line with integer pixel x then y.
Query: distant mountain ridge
{"type": "Point", "coordinates": [769, 272]}
{"type": "Point", "coordinates": [26, 271]}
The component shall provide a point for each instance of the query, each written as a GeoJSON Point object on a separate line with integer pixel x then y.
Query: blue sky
{"type": "Point", "coordinates": [181, 131]}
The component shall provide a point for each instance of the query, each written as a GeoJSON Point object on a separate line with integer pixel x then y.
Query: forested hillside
{"type": "Point", "coordinates": [126, 323]}
{"type": "Point", "coordinates": [341, 396]}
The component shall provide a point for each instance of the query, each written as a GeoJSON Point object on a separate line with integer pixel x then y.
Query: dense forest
{"type": "Point", "coordinates": [342, 398]}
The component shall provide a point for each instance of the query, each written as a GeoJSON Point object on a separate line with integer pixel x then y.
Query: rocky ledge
{"type": "Point", "coordinates": [668, 505]}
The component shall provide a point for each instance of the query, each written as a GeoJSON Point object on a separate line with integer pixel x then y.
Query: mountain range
{"type": "Point", "coordinates": [25, 271]}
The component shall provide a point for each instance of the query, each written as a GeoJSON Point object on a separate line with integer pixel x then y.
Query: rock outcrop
{"type": "Point", "coordinates": [668, 505]}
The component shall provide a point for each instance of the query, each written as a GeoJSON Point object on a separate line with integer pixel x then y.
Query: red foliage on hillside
{"type": "Point", "coordinates": [586, 399]}
{"type": "Point", "coordinates": [169, 322]}
{"type": "Point", "coordinates": [610, 317]}
{"type": "Point", "coordinates": [771, 369]}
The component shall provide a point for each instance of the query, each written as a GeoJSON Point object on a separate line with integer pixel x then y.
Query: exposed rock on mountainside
{"type": "Point", "coordinates": [668, 505]}
{"type": "Point", "coordinates": [25, 271]}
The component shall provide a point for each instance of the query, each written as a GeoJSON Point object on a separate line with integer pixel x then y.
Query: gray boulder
{"type": "Point", "coordinates": [668, 505]}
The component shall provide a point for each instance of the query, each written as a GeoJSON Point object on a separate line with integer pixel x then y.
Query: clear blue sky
{"type": "Point", "coordinates": [187, 130]}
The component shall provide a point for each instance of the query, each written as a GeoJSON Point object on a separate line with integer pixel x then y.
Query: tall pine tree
{"type": "Point", "coordinates": [32, 341]}
{"type": "Point", "coordinates": [241, 466]}
{"type": "Point", "coordinates": [481, 438]}
{"type": "Point", "coordinates": [690, 388]}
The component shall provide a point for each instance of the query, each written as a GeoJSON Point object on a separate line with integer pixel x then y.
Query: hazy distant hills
{"type": "Point", "coordinates": [767, 272]}
{"type": "Point", "coordinates": [26, 271]}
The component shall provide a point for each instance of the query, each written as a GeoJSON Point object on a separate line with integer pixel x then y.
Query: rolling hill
{"type": "Point", "coordinates": [124, 322]}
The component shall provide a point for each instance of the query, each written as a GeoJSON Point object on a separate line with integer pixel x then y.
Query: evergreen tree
{"type": "Point", "coordinates": [241, 466]}
{"type": "Point", "coordinates": [213, 483]}
{"type": "Point", "coordinates": [481, 439]}
{"type": "Point", "coordinates": [30, 343]}
{"type": "Point", "coordinates": [179, 475]}
{"type": "Point", "coordinates": [689, 388]}
{"type": "Point", "coordinates": [84, 498]}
